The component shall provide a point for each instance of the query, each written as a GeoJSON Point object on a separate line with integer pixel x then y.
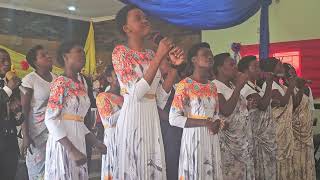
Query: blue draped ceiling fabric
{"type": "Point", "coordinates": [209, 14]}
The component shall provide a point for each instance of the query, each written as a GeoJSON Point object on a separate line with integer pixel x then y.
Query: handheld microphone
{"type": "Point", "coordinates": [306, 81]}
{"type": "Point", "coordinates": [280, 75]}
{"type": "Point", "coordinates": [10, 75]}
{"type": "Point", "coordinates": [156, 37]}
{"type": "Point", "coordinates": [263, 75]}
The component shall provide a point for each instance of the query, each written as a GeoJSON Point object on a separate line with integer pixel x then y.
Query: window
{"type": "Point", "coordinates": [292, 57]}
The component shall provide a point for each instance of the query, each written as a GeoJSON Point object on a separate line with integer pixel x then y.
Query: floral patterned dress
{"type": "Point", "coordinates": [140, 153]}
{"type": "Point", "coordinates": [37, 129]}
{"type": "Point", "coordinates": [236, 141]}
{"type": "Point", "coordinates": [68, 104]}
{"type": "Point", "coordinates": [303, 157]}
{"type": "Point", "coordinates": [264, 136]}
{"type": "Point", "coordinates": [282, 116]}
{"type": "Point", "coordinates": [200, 150]}
{"type": "Point", "coordinates": [109, 106]}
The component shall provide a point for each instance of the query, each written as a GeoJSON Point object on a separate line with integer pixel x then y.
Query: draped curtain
{"type": "Point", "coordinates": [200, 14]}
{"type": "Point", "coordinates": [210, 14]}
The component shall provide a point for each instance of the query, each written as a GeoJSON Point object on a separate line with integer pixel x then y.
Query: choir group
{"type": "Point", "coordinates": [166, 114]}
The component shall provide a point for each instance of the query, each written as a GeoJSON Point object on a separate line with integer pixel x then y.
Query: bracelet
{"type": "Point", "coordinates": [222, 124]}
{"type": "Point", "coordinates": [210, 119]}
{"type": "Point", "coordinates": [175, 66]}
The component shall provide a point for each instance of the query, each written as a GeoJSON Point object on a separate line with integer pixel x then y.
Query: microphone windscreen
{"type": "Point", "coordinates": [10, 75]}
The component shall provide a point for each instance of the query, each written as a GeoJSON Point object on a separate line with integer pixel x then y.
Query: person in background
{"type": "Point", "coordinates": [67, 105]}
{"type": "Point", "coordinates": [10, 117]}
{"type": "Point", "coordinates": [303, 150]}
{"type": "Point", "coordinates": [282, 109]}
{"type": "Point", "coordinates": [171, 135]}
{"type": "Point", "coordinates": [103, 86]}
{"type": "Point", "coordinates": [263, 127]}
{"type": "Point", "coordinates": [140, 146]}
{"type": "Point", "coordinates": [90, 118]}
{"type": "Point", "coordinates": [195, 108]}
{"type": "Point", "coordinates": [109, 104]}
{"type": "Point", "coordinates": [236, 138]}
{"type": "Point", "coordinates": [34, 102]}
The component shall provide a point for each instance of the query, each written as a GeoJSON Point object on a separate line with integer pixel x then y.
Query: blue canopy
{"type": "Point", "coordinates": [210, 14]}
{"type": "Point", "coordinates": [200, 14]}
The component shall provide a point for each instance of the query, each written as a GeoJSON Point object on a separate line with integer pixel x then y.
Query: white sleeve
{"type": "Point", "coordinates": [264, 86]}
{"type": "Point", "coordinates": [246, 91]}
{"type": "Point", "coordinates": [176, 119]}
{"type": "Point", "coordinates": [162, 96]}
{"type": "Point", "coordinates": [114, 118]}
{"type": "Point", "coordinates": [127, 74]}
{"type": "Point", "coordinates": [53, 118]}
{"type": "Point", "coordinates": [7, 90]}
{"type": "Point", "coordinates": [177, 116]}
{"type": "Point", "coordinates": [311, 100]}
{"type": "Point", "coordinates": [55, 127]}
{"type": "Point", "coordinates": [140, 88]}
{"type": "Point", "coordinates": [28, 81]}
{"type": "Point", "coordinates": [225, 91]}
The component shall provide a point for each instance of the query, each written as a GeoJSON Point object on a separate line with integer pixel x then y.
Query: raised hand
{"type": "Point", "coordinates": [269, 77]}
{"type": "Point", "coordinates": [241, 80]}
{"type": "Point", "coordinates": [164, 47]}
{"type": "Point", "coordinates": [301, 83]}
{"type": "Point", "coordinates": [177, 56]}
{"type": "Point", "coordinates": [292, 82]}
{"type": "Point", "coordinates": [14, 83]}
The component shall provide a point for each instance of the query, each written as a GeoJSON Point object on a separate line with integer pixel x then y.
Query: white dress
{"type": "Point", "coordinates": [109, 106]}
{"type": "Point", "coordinates": [140, 150]}
{"type": "Point", "coordinates": [37, 129]}
{"type": "Point", "coordinates": [200, 150]}
{"type": "Point", "coordinates": [68, 104]}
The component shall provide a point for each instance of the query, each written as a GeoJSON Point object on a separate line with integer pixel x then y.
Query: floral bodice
{"type": "Point", "coordinates": [108, 104]}
{"type": "Point", "coordinates": [195, 100]}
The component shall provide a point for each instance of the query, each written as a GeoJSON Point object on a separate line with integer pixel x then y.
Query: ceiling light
{"type": "Point", "coordinates": [71, 8]}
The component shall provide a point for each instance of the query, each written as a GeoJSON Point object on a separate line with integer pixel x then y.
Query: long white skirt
{"type": "Point", "coordinates": [58, 163]}
{"type": "Point", "coordinates": [199, 155]}
{"type": "Point", "coordinates": [140, 153]}
{"type": "Point", "coordinates": [108, 161]}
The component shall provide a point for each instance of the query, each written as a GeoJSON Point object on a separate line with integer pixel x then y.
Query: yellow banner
{"type": "Point", "coordinates": [90, 50]}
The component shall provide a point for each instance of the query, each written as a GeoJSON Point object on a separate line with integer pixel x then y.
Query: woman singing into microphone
{"type": "Point", "coordinates": [303, 157]}
{"type": "Point", "coordinates": [139, 141]}
{"type": "Point", "coordinates": [263, 128]}
{"type": "Point", "coordinates": [282, 115]}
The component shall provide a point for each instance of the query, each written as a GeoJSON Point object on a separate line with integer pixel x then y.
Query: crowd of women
{"type": "Point", "coordinates": [167, 114]}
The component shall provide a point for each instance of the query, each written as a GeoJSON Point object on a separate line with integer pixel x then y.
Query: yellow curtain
{"type": "Point", "coordinates": [16, 59]}
{"type": "Point", "coordinates": [90, 50]}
